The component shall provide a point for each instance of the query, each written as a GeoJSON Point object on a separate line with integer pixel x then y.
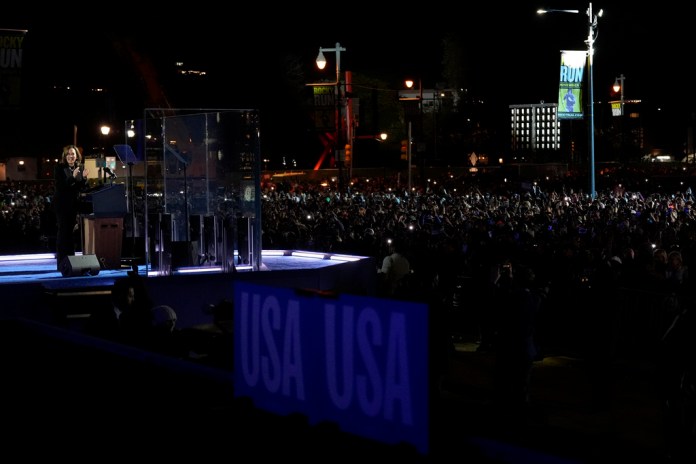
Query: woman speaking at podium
{"type": "Point", "coordinates": [70, 178]}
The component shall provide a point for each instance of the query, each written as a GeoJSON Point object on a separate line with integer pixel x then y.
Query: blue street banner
{"type": "Point", "coordinates": [359, 362]}
{"type": "Point", "coordinates": [11, 57]}
{"type": "Point", "coordinates": [570, 84]}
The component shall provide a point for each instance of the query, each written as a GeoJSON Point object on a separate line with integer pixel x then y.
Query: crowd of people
{"type": "Point", "coordinates": [566, 236]}
{"type": "Point", "coordinates": [563, 235]}
{"type": "Point", "coordinates": [454, 232]}
{"type": "Point", "coordinates": [594, 263]}
{"type": "Point", "coordinates": [26, 217]}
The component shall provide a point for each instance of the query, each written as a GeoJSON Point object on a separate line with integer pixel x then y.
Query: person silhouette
{"type": "Point", "coordinates": [569, 99]}
{"type": "Point", "coordinates": [70, 178]}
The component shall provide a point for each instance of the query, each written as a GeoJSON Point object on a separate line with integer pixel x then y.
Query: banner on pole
{"type": "Point", "coordinates": [616, 108]}
{"type": "Point", "coordinates": [570, 84]}
{"type": "Point", "coordinates": [11, 51]}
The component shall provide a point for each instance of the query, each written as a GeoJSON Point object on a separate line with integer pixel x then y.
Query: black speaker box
{"type": "Point", "coordinates": [80, 265]}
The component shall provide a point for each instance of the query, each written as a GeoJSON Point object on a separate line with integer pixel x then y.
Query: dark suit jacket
{"type": "Point", "coordinates": [67, 189]}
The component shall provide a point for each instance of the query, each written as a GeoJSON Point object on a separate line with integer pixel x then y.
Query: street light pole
{"type": "Point", "coordinates": [592, 26]}
{"type": "Point", "coordinates": [410, 144]}
{"type": "Point", "coordinates": [619, 86]}
{"type": "Point", "coordinates": [409, 84]}
{"type": "Point", "coordinates": [321, 64]}
{"type": "Point", "coordinates": [105, 131]}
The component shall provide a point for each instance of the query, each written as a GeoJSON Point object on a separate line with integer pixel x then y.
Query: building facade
{"type": "Point", "coordinates": [534, 127]}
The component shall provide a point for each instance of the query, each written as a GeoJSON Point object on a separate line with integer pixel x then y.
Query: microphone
{"type": "Point", "coordinates": [111, 173]}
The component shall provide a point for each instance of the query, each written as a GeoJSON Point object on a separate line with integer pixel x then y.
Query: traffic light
{"type": "Point", "coordinates": [404, 149]}
{"type": "Point", "coordinates": [348, 152]}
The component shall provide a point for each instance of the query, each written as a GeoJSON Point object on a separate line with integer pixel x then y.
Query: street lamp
{"type": "Point", "coordinates": [619, 86]}
{"type": "Point", "coordinates": [101, 162]}
{"type": "Point", "coordinates": [321, 64]}
{"type": "Point", "coordinates": [381, 137]}
{"type": "Point", "coordinates": [409, 84]}
{"type": "Point", "coordinates": [591, 36]}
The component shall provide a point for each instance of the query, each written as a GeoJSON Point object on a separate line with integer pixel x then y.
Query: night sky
{"type": "Point", "coordinates": [511, 54]}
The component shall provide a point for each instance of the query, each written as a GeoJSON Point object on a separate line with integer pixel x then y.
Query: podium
{"type": "Point", "coordinates": [103, 237]}
{"type": "Point", "coordinates": [102, 225]}
{"type": "Point", "coordinates": [108, 201]}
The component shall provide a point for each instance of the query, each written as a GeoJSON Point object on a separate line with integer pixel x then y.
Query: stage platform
{"type": "Point", "coordinates": [31, 287]}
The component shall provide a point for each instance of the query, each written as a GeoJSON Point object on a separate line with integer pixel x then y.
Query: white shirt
{"type": "Point", "coordinates": [395, 266]}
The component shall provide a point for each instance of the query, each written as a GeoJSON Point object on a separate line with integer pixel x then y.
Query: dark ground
{"type": "Point", "coordinates": [70, 396]}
